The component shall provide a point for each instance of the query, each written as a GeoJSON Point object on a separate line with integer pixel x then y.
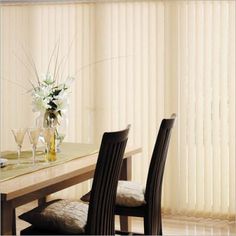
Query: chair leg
{"type": "Point", "coordinates": [146, 226]}
{"type": "Point", "coordinates": [152, 226]}
{"type": "Point", "coordinates": [159, 229]}
{"type": "Point", "coordinates": [125, 224]}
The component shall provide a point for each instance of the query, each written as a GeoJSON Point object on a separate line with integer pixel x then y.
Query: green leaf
{"type": "Point", "coordinates": [56, 92]}
{"type": "Point", "coordinates": [48, 82]}
{"type": "Point", "coordinates": [52, 105]}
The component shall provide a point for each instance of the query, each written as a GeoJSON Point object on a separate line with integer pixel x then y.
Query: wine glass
{"type": "Point", "coordinates": [61, 132]}
{"type": "Point", "coordinates": [19, 135]}
{"type": "Point", "coordinates": [48, 134]}
{"type": "Point", "coordinates": [59, 138]}
{"type": "Point", "coordinates": [33, 134]}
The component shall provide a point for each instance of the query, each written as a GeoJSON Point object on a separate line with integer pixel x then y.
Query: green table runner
{"type": "Point", "coordinates": [69, 151]}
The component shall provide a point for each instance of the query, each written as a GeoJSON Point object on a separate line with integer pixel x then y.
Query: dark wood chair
{"type": "Point", "coordinates": [150, 207]}
{"type": "Point", "coordinates": [151, 210]}
{"type": "Point", "coordinates": [100, 216]}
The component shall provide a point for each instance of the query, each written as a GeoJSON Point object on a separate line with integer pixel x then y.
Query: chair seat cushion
{"type": "Point", "coordinates": [130, 194]}
{"type": "Point", "coordinates": [65, 216]}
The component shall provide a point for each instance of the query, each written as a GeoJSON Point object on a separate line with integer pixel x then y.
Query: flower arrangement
{"type": "Point", "coordinates": [51, 98]}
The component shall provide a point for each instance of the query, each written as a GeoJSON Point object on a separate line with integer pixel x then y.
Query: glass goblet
{"type": "Point", "coordinates": [19, 135]}
{"type": "Point", "coordinates": [59, 138]}
{"type": "Point", "coordinates": [34, 137]}
{"type": "Point", "coordinates": [48, 134]}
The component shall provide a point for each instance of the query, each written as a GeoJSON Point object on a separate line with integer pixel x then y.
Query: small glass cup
{"type": "Point", "coordinates": [19, 135]}
{"type": "Point", "coordinates": [33, 134]}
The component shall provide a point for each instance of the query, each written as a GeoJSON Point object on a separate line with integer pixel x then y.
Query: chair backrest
{"type": "Point", "coordinates": [103, 194]}
{"type": "Point", "coordinates": [156, 168]}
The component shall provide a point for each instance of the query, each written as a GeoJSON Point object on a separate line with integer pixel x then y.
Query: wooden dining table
{"type": "Point", "coordinates": [75, 163]}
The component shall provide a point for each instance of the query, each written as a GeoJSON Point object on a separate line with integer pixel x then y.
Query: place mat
{"type": "Point", "coordinates": [69, 151]}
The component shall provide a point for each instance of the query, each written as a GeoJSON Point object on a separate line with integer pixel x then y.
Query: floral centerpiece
{"type": "Point", "coordinates": [51, 99]}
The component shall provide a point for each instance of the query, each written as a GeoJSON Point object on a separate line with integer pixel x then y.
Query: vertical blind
{"type": "Point", "coordinates": [206, 100]}
{"type": "Point", "coordinates": [137, 62]}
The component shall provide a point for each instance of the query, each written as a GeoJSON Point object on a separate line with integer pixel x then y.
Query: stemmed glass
{"type": "Point", "coordinates": [61, 132]}
{"type": "Point", "coordinates": [59, 138]}
{"type": "Point", "coordinates": [48, 134]}
{"type": "Point", "coordinates": [34, 137]}
{"type": "Point", "coordinates": [19, 135]}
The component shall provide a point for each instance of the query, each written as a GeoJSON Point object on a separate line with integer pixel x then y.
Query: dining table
{"type": "Point", "coordinates": [21, 183]}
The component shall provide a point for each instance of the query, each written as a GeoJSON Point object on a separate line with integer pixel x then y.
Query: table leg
{"type": "Point", "coordinates": [42, 201]}
{"type": "Point", "coordinates": [8, 219]}
{"type": "Point", "coordinates": [126, 173]}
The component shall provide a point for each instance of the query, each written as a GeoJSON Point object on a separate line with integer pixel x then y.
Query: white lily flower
{"type": "Point", "coordinates": [51, 96]}
{"type": "Point", "coordinates": [42, 92]}
{"type": "Point", "coordinates": [62, 104]}
{"type": "Point", "coordinates": [40, 104]}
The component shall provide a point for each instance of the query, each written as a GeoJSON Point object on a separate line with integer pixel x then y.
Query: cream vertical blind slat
{"type": "Point", "coordinates": [153, 42]}
{"type": "Point", "coordinates": [114, 27]}
{"type": "Point", "coordinates": [107, 76]}
{"type": "Point", "coordinates": [68, 42]}
{"type": "Point", "coordinates": [44, 40]}
{"type": "Point", "coordinates": [215, 107]}
{"type": "Point", "coordinates": [160, 62]}
{"type": "Point", "coordinates": [231, 104]}
{"type": "Point", "coordinates": [90, 96]}
{"type": "Point", "coordinates": [129, 69]}
{"type": "Point", "coordinates": [191, 105]}
{"type": "Point", "coordinates": [69, 38]}
{"type": "Point", "coordinates": [169, 58]}
{"type": "Point", "coordinates": [122, 64]}
{"type": "Point", "coordinates": [121, 76]}
{"type": "Point", "coordinates": [171, 95]}
{"type": "Point", "coordinates": [182, 114]}
{"type": "Point", "coordinates": [224, 109]}
{"type": "Point", "coordinates": [50, 22]}
{"type": "Point", "coordinates": [12, 73]}
{"type": "Point", "coordinates": [145, 78]}
{"type": "Point", "coordinates": [208, 152]}
{"type": "Point", "coordinates": [199, 107]}
{"type": "Point", "coordinates": [158, 66]}
{"type": "Point", "coordinates": [80, 79]}
{"type": "Point", "coordinates": [79, 99]}
{"type": "Point", "coordinates": [74, 56]}
{"type": "Point", "coordinates": [102, 121]}
{"type": "Point", "coordinates": [6, 84]}
{"type": "Point", "coordinates": [1, 76]}
{"type": "Point", "coordinates": [86, 59]}
{"type": "Point", "coordinates": [137, 122]}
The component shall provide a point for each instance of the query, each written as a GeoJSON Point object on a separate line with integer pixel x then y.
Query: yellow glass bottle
{"type": "Point", "coordinates": [52, 150]}
{"type": "Point", "coordinates": [51, 146]}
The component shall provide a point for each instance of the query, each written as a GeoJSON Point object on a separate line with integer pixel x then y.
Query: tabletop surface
{"type": "Point", "coordinates": [69, 151]}
{"type": "Point", "coordinates": [81, 159]}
